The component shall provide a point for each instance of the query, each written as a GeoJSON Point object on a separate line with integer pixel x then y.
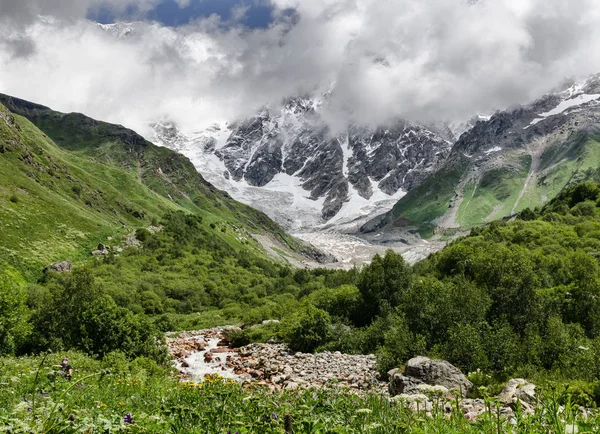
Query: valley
{"type": "Point", "coordinates": [344, 193]}
{"type": "Point", "coordinates": [343, 304]}
{"type": "Point", "coordinates": [299, 217]}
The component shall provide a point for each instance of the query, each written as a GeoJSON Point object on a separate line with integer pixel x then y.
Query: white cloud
{"type": "Point", "coordinates": [421, 60]}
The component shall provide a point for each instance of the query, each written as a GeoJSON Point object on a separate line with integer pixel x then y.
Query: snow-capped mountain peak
{"type": "Point", "coordinates": [286, 162]}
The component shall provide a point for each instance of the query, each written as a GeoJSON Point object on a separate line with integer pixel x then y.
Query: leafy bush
{"type": "Point", "coordinates": [343, 302]}
{"type": "Point", "coordinates": [76, 313]}
{"type": "Point", "coordinates": [307, 329]}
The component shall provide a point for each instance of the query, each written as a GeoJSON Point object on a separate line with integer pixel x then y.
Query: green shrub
{"type": "Point", "coordinates": [587, 208]}
{"type": "Point", "coordinates": [142, 234]}
{"type": "Point", "coordinates": [343, 302]}
{"type": "Point", "coordinates": [306, 329]}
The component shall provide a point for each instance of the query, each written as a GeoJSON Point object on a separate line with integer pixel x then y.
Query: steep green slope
{"type": "Point", "coordinates": [494, 194]}
{"type": "Point", "coordinates": [166, 172]}
{"type": "Point", "coordinates": [529, 181]}
{"type": "Point", "coordinates": [423, 204]}
{"type": "Point", "coordinates": [101, 180]}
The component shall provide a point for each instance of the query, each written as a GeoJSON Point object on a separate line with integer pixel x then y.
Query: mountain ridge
{"type": "Point", "coordinates": [518, 159]}
{"type": "Point", "coordinates": [77, 181]}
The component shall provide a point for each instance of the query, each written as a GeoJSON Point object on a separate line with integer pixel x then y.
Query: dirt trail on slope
{"type": "Point", "coordinates": [450, 219]}
{"type": "Point", "coordinates": [535, 149]}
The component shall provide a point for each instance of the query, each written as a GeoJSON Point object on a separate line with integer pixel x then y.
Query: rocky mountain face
{"type": "Point", "coordinates": [287, 162]}
{"type": "Point", "coordinates": [517, 159]}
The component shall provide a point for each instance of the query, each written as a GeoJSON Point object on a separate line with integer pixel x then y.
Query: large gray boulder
{"type": "Point", "coordinates": [60, 267]}
{"type": "Point", "coordinates": [401, 384]}
{"type": "Point", "coordinates": [437, 373]}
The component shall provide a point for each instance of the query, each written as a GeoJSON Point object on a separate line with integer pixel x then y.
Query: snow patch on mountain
{"type": "Point", "coordinates": [565, 105]}
{"type": "Point", "coordinates": [494, 149]}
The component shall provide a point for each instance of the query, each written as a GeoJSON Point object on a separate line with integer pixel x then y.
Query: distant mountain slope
{"type": "Point", "coordinates": [288, 162]}
{"type": "Point", "coordinates": [518, 159]}
{"type": "Point", "coordinates": [67, 182]}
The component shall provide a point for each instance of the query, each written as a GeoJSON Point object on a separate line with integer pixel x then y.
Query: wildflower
{"type": "Point", "coordinates": [470, 416]}
{"type": "Point", "coordinates": [29, 409]}
{"type": "Point", "coordinates": [102, 405]}
{"type": "Point", "coordinates": [25, 399]}
{"type": "Point", "coordinates": [128, 418]}
{"type": "Point", "coordinates": [275, 416]}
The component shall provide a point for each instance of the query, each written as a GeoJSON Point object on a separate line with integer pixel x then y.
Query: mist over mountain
{"type": "Point", "coordinates": [423, 62]}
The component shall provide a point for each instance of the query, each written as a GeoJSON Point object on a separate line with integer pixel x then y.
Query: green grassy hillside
{"type": "Point", "coordinates": [67, 182]}
{"type": "Point", "coordinates": [494, 194]}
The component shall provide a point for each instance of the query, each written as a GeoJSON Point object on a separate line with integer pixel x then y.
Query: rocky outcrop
{"type": "Point", "coordinates": [102, 250]}
{"type": "Point", "coordinates": [60, 267]}
{"type": "Point", "coordinates": [427, 382]}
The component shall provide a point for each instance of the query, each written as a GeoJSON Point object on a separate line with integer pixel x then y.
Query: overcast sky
{"type": "Point", "coordinates": [197, 61]}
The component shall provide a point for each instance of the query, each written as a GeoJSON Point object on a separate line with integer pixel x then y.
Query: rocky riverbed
{"type": "Point", "coordinates": [422, 385]}
{"type": "Point", "coordinates": [208, 352]}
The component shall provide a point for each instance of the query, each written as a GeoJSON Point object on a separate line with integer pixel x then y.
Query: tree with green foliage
{"type": "Point", "coordinates": [76, 313]}
{"type": "Point", "coordinates": [343, 302]}
{"type": "Point", "coordinates": [383, 284]}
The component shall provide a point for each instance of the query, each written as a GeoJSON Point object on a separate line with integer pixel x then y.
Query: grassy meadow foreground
{"type": "Point", "coordinates": [114, 395]}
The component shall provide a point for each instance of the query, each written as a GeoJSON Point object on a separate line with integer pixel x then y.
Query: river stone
{"type": "Point", "coordinates": [401, 384]}
{"type": "Point", "coordinates": [518, 389]}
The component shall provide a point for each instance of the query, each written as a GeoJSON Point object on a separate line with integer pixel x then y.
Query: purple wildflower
{"type": "Point", "coordinates": [275, 416]}
{"type": "Point", "coordinates": [128, 418]}
{"type": "Point", "coordinates": [30, 409]}
{"type": "Point", "coordinates": [25, 399]}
